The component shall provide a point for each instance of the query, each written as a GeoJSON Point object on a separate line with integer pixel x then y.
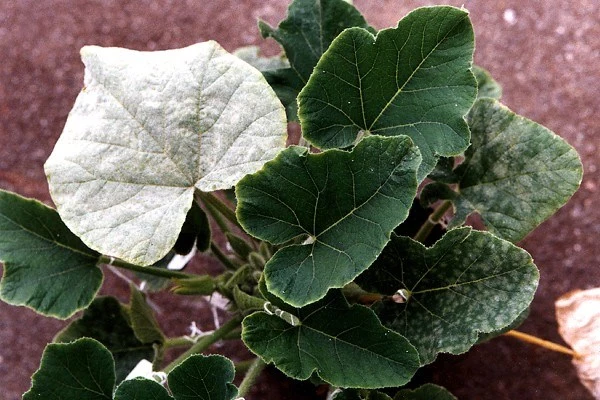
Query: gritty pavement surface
{"type": "Point", "coordinates": [545, 54]}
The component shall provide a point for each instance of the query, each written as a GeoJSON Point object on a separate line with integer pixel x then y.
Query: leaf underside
{"type": "Point", "coordinates": [346, 346]}
{"type": "Point", "coordinates": [345, 203]}
{"type": "Point", "coordinates": [516, 174]}
{"type": "Point", "coordinates": [412, 80]}
{"type": "Point", "coordinates": [468, 282]}
{"type": "Point", "coordinates": [147, 130]}
{"type": "Point", "coordinates": [46, 267]}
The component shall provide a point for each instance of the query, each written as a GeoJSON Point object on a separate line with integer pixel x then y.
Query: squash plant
{"type": "Point", "coordinates": [331, 270]}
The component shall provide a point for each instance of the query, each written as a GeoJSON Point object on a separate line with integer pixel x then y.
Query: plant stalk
{"type": "Point", "coordinates": [206, 341]}
{"type": "Point", "coordinates": [432, 221]}
{"type": "Point", "coordinates": [542, 343]}
{"type": "Point", "coordinates": [226, 261]}
{"type": "Point", "coordinates": [160, 272]}
{"type": "Point", "coordinates": [250, 378]}
{"type": "Point", "coordinates": [219, 205]}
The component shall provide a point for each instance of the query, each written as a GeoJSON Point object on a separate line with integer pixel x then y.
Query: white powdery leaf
{"type": "Point", "coordinates": [146, 131]}
{"type": "Point", "coordinates": [578, 316]}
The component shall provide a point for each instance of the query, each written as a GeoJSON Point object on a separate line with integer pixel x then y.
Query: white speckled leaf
{"type": "Point", "coordinates": [147, 130]}
{"type": "Point", "coordinates": [468, 282]}
{"type": "Point", "coordinates": [516, 174]}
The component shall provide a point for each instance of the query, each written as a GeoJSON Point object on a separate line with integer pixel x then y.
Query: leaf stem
{"type": "Point", "coordinates": [432, 221]}
{"type": "Point", "coordinates": [226, 261]}
{"type": "Point", "coordinates": [542, 343]}
{"type": "Point", "coordinates": [180, 341]}
{"type": "Point", "coordinates": [204, 342]}
{"type": "Point", "coordinates": [253, 373]}
{"type": "Point", "coordinates": [216, 215]}
{"type": "Point", "coordinates": [161, 272]}
{"type": "Point", "coordinates": [212, 200]}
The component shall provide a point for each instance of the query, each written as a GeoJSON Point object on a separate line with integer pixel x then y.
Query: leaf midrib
{"type": "Point", "coordinates": [413, 72]}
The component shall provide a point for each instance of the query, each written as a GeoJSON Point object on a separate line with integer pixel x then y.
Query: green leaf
{"type": "Point", "coordinates": [426, 392]}
{"type": "Point", "coordinates": [484, 337]}
{"type": "Point", "coordinates": [353, 394]}
{"type": "Point", "coordinates": [106, 321]}
{"type": "Point", "coordinates": [143, 322]}
{"type": "Point", "coordinates": [203, 378]}
{"type": "Point", "coordinates": [305, 34]}
{"type": "Point", "coordinates": [413, 80]}
{"type": "Point", "coordinates": [468, 282]}
{"type": "Point", "coordinates": [195, 231]}
{"type": "Point", "coordinates": [345, 204]}
{"type": "Point", "coordinates": [486, 85]}
{"type": "Point", "coordinates": [141, 389]}
{"type": "Point", "coordinates": [80, 370]}
{"type": "Point", "coordinates": [516, 174]}
{"type": "Point", "coordinates": [345, 346]}
{"type": "Point", "coordinates": [46, 267]}
{"type": "Point", "coordinates": [147, 130]}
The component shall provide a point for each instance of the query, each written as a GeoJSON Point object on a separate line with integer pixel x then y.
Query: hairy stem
{"type": "Point", "coordinates": [253, 373]}
{"type": "Point", "coordinates": [542, 343]}
{"type": "Point", "coordinates": [160, 272]}
{"type": "Point", "coordinates": [432, 221]}
{"type": "Point", "coordinates": [204, 342]}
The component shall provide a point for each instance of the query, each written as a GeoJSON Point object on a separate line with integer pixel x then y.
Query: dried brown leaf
{"type": "Point", "coordinates": [578, 315]}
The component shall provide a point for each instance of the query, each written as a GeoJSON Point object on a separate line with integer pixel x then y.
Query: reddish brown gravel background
{"type": "Point", "coordinates": [545, 54]}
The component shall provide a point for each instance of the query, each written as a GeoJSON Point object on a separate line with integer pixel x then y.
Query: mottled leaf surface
{"type": "Point", "coordinates": [80, 370]}
{"type": "Point", "coordinates": [345, 346]}
{"type": "Point", "coordinates": [46, 267]}
{"type": "Point", "coordinates": [486, 84]}
{"type": "Point", "coordinates": [468, 282]}
{"type": "Point", "coordinates": [203, 378]}
{"type": "Point", "coordinates": [305, 34]}
{"type": "Point", "coordinates": [147, 130]}
{"type": "Point", "coordinates": [426, 392]}
{"type": "Point", "coordinates": [141, 389]}
{"type": "Point", "coordinates": [344, 206]}
{"type": "Point", "coordinates": [412, 80]}
{"type": "Point", "coordinates": [516, 174]}
{"type": "Point", "coordinates": [106, 321]}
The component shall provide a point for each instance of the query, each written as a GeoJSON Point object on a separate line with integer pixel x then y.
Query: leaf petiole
{"type": "Point", "coordinates": [218, 204]}
{"type": "Point", "coordinates": [432, 221]}
{"type": "Point", "coordinates": [542, 343]}
{"type": "Point", "coordinates": [206, 341]}
{"type": "Point", "coordinates": [253, 373]}
{"type": "Point", "coordinates": [160, 272]}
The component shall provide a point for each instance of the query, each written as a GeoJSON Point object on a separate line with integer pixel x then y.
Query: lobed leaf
{"type": "Point", "coordinates": [346, 346]}
{"type": "Point", "coordinates": [305, 34]}
{"type": "Point", "coordinates": [516, 174]}
{"type": "Point", "coordinates": [467, 283]}
{"type": "Point", "coordinates": [146, 131]}
{"type": "Point", "coordinates": [413, 80]}
{"type": "Point", "coordinates": [345, 204]}
{"type": "Point", "coordinates": [46, 267]}
{"type": "Point", "coordinates": [83, 369]}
